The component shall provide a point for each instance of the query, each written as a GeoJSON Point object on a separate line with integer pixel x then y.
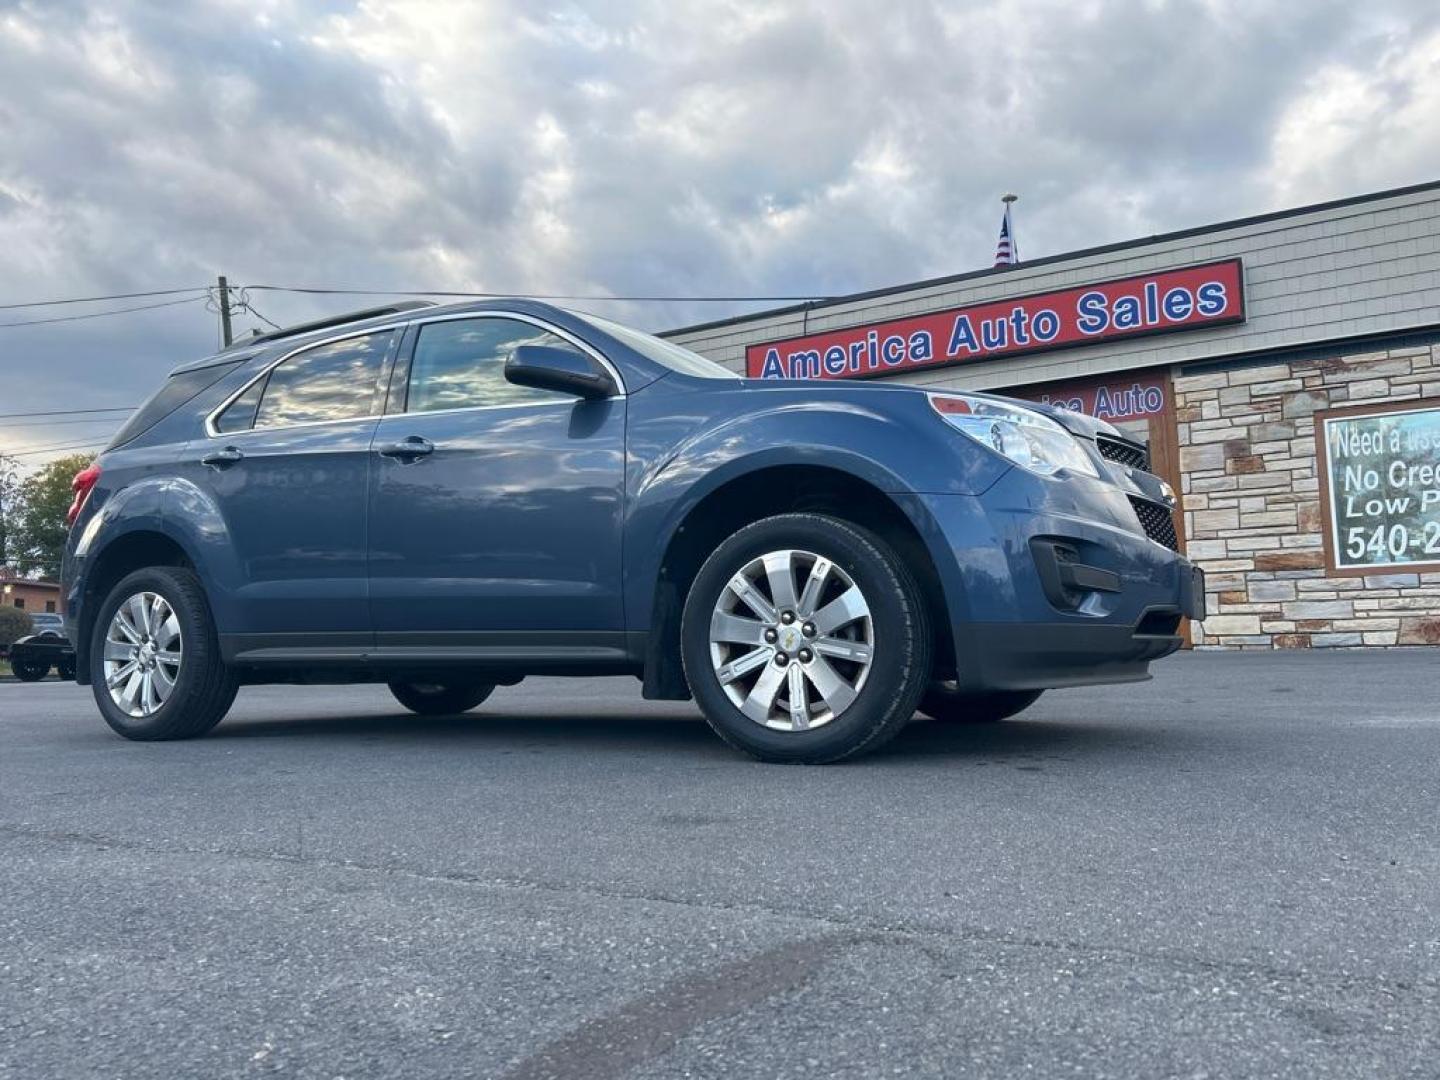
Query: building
{"type": "Point", "coordinates": [26, 594]}
{"type": "Point", "coordinates": [1284, 368]}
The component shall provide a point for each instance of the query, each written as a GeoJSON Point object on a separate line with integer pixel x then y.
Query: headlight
{"type": "Point", "coordinates": [1029, 439]}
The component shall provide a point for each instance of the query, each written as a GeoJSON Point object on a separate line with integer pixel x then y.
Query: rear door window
{"type": "Point", "coordinates": [336, 381]}
{"type": "Point", "coordinates": [239, 415]}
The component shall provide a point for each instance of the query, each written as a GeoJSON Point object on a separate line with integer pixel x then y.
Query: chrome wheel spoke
{"type": "Point", "coordinates": [744, 664]}
{"type": "Point", "coordinates": [127, 629]}
{"type": "Point", "coordinates": [745, 589]}
{"type": "Point", "coordinates": [159, 611]}
{"type": "Point", "coordinates": [856, 651]}
{"type": "Point", "coordinates": [843, 610]}
{"type": "Point", "coordinates": [838, 694]}
{"type": "Point", "coordinates": [780, 573]}
{"type": "Point", "coordinates": [762, 695]}
{"type": "Point", "coordinates": [799, 698]}
{"type": "Point", "coordinates": [163, 681]}
{"type": "Point", "coordinates": [120, 675]}
{"type": "Point", "coordinates": [119, 650]}
{"type": "Point", "coordinates": [131, 693]}
{"type": "Point", "coordinates": [169, 631]}
{"type": "Point", "coordinates": [734, 629]}
{"type": "Point", "coordinates": [814, 586]}
{"type": "Point", "coordinates": [140, 615]}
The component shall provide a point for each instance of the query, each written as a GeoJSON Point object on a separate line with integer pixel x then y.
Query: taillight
{"type": "Point", "coordinates": [84, 482]}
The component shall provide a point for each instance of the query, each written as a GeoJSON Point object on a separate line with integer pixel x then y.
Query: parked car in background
{"type": "Point", "coordinates": [449, 499]}
{"type": "Point", "coordinates": [47, 624]}
{"type": "Point", "coordinates": [33, 656]}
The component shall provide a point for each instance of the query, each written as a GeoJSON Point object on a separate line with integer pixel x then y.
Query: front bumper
{"type": "Point", "coordinates": [1051, 584]}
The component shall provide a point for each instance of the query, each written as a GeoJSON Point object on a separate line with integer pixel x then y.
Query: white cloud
{"type": "Point", "coordinates": [646, 146]}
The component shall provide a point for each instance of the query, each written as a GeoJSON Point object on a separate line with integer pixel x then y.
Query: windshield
{"type": "Point", "coordinates": [663, 352]}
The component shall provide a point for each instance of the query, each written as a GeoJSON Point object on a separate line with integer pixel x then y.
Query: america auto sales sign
{"type": "Point", "coordinates": [1167, 301]}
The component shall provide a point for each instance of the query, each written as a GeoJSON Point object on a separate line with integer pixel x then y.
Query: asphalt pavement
{"type": "Point", "coordinates": [1231, 871]}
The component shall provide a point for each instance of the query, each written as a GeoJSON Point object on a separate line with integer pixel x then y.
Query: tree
{"type": "Point", "coordinates": [9, 493]}
{"type": "Point", "coordinates": [37, 524]}
{"type": "Point", "coordinates": [14, 624]}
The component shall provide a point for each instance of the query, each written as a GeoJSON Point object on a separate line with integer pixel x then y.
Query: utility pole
{"type": "Point", "coordinates": [224, 300]}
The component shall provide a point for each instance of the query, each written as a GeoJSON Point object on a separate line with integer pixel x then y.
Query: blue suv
{"type": "Point", "coordinates": [448, 499]}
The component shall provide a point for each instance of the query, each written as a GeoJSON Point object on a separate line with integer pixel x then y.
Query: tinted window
{"type": "Point", "coordinates": [461, 364]}
{"type": "Point", "coordinates": [329, 382]}
{"type": "Point", "coordinates": [178, 389]}
{"type": "Point", "coordinates": [240, 415]}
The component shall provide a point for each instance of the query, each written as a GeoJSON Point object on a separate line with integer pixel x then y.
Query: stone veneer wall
{"type": "Point", "coordinates": [1253, 518]}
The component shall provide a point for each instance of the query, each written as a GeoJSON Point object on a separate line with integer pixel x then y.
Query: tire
{"type": "Point", "coordinates": [66, 672]}
{"type": "Point", "coordinates": [440, 699]}
{"type": "Point", "coordinates": [880, 659]}
{"type": "Point", "coordinates": [202, 687]}
{"type": "Point", "coordinates": [943, 702]}
{"type": "Point", "coordinates": [29, 670]}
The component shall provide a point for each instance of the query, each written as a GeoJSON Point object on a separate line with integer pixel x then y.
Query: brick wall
{"type": "Point", "coordinates": [1252, 505]}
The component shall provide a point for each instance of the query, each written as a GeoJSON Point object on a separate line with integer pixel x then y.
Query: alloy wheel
{"type": "Point", "coordinates": [791, 640]}
{"type": "Point", "coordinates": [143, 653]}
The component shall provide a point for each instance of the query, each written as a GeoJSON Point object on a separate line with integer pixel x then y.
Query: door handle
{"type": "Point", "coordinates": [409, 448]}
{"type": "Point", "coordinates": [222, 459]}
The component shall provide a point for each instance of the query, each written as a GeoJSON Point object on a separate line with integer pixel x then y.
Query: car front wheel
{"type": "Point", "coordinates": [155, 662]}
{"type": "Point", "coordinates": [805, 640]}
{"type": "Point", "coordinates": [440, 699]}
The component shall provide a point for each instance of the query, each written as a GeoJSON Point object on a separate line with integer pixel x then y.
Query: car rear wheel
{"type": "Point", "coordinates": [155, 662]}
{"type": "Point", "coordinates": [805, 640]}
{"type": "Point", "coordinates": [29, 671]}
{"type": "Point", "coordinates": [944, 701]}
{"type": "Point", "coordinates": [440, 699]}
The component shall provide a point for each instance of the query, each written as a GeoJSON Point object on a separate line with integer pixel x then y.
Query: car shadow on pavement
{"type": "Point", "coordinates": [1055, 739]}
{"type": "Point", "coordinates": [684, 730]}
{"type": "Point", "coordinates": [661, 729]}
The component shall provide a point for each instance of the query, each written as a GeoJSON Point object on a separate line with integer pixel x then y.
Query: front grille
{"type": "Point", "coordinates": [1159, 522]}
{"type": "Point", "coordinates": [1123, 452]}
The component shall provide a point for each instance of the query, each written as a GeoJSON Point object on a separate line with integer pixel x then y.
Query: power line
{"type": "Point", "coordinates": [55, 449]}
{"type": "Point", "coordinates": [95, 299]}
{"type": "Point", "coordinates": [56, 423]}
{"type": "Point", "coordinates": [101, 314]}
{"type": "Point", "coordinates": [244, 304]}
{"type": "Point", "coordinates": [318, 291]}
{"type": "Point", "coordinates": [68, 412]}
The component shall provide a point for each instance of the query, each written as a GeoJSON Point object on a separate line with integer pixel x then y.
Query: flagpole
{"type": "Point", "coordinates": [1009, 200]}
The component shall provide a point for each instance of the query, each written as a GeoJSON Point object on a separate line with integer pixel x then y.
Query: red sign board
{"type": "Point", "coordinates": [1191, 298]}
{"type": "Point", "coordinates": [1120, 399]}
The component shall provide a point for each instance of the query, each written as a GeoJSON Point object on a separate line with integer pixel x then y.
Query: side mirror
{"type": "Point", "coordinates": [569, 371]}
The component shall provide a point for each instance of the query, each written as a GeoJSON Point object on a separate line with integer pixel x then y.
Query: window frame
{"type": "Point", "coordinates": [387, 363]}
{"type": "Point", "coordinates": [398, 394]}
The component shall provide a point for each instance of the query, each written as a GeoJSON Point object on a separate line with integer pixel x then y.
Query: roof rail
{"type": "Point", "coordinates": [333, 320]}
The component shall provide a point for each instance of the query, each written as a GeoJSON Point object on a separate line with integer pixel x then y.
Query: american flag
{"type": "Point", "coordinates": [1006, 253]}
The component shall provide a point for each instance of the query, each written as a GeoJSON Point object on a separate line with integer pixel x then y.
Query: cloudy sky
{"type": "Point", "coordinates": [633, 147]}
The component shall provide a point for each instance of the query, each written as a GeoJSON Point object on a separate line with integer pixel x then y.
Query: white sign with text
{"type": "Point", "coordinates": [1383, 477]}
